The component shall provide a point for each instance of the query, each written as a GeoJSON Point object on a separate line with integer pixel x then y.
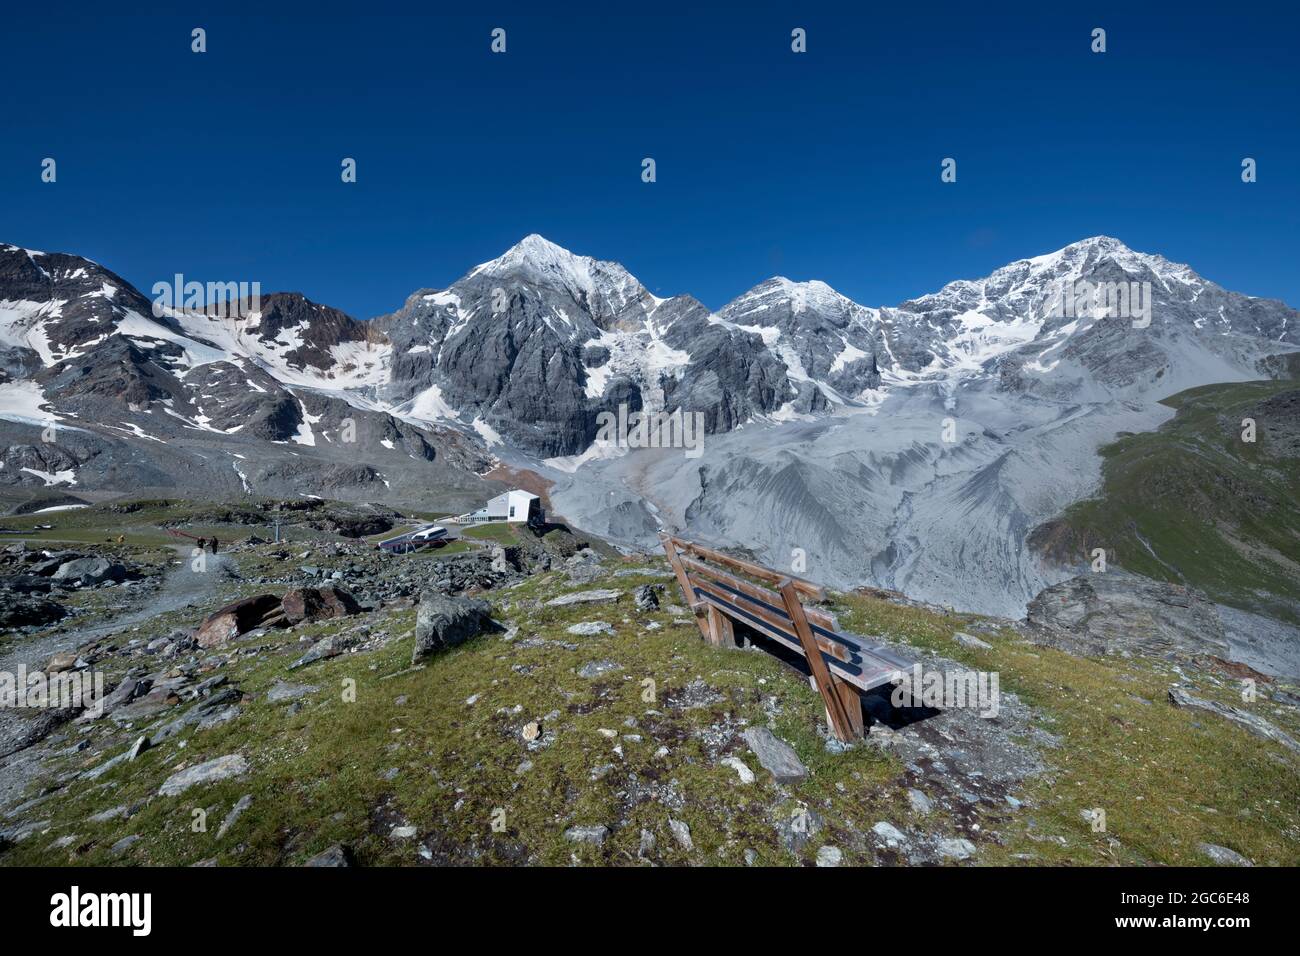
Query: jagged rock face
{"type": "Point", "coordinates": [39, 465]}
{"type": "Point", "coordinates": [537, 343]}
{"type": "Point", "coordinates": [247, 401]}
{"type": "Point", "coordinates": [1022, 326]}
{"type": "Point", "coordinates": [529, 349]}
{"type": "Point", "coordinates": [732, 375]}
{"type": "Point", "coordinates": [118, 372]}
{"type": "Point", "coordinates": [304, 332]}
{"type": "Point", "coordinates": [97, 392]}
{"type": "Point", "coordinates": [817, 333]}
{"type": "Point", "coordinates": [55, 306]}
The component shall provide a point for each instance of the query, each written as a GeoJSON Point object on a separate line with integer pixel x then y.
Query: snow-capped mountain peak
{"type": "Point", "coordinates": [594, 283]}
{"type": "Point", "coordinates": [533, 345]}
{"type": "Point", "coordinates": [813, 296]}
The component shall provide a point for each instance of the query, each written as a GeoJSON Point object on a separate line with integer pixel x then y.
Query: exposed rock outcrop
{"type": "Point", "coordinates": [1120, 613]}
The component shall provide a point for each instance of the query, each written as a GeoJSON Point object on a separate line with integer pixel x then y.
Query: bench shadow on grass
{"type": "Point", "coordinates": [877, 706]}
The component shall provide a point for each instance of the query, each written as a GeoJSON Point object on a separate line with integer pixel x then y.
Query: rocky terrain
{"type": "Point", "coordinates": [543, 699]}
{"type": "Point", "coordinates": [914, 447]}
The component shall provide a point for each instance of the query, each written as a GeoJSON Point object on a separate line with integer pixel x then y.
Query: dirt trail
{"type": "Point", "coordinates": [183, 587]}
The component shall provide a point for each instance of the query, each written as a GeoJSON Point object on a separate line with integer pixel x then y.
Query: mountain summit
{"type": "Point", "coordinates": [526, 350]}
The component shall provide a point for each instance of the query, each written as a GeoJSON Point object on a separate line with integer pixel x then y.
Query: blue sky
{"type": "Point", "coordinates": [225, 166]}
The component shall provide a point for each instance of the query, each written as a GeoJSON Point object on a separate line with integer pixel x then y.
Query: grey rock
{"type": "Point", "coordinates": [1252, 723]}
{"type": "Point", "coordinates": [969, 640]}
{"type": "Point", "coordinates": [589, 628]}
{"type": "Point", "coordinates": [216, 718]}
{"type": "Point", "coordinates": [23, 831]}
{"type": "Point", "coordinates": [890, 834]}
{"type": "Point", "coordinates": [796, 828]}
{"type": "Point", "coordinates": [323, 649]}
{"type": "Point", "coordinates": [776, 756]}
{"type": "Point", "coordinates": [112, 813]}
{"type": "Point", "coordinates": [157, 700]}
{"type": "Point", "coordinates": [84, 571]}
{"type": "Point", "coordinates": [235, 813]}
{"type": "Point", "coordinates": [1222, 855]}
{"type": "Point", "coordinates": [829, 856]}
{"type": "Point", "coordinates": [592, 834]}
{"type": "Point", "coordinates": [919, 801]}
{"type": "Point", "coordinates": [444, 621]}
{"type": "Point", "coordinates": [94, 773]}
{"type": "Point", "coordinates": [124, 844]}
{"type": "Point", "coordinates": [334, 856]}
{"type": "Point", "coordinates": [956, 849]}
{"type": "Point", "coordinates": [211, 771]}
{"type": "Point", "coordinates": [281, 691]}
{"type": "Point", "coordinates": [598, 596]}
{"type": "Point", "coordinates": [1120, 613]}
{"type": "Point", "coordinates": [647, 597]}
{"type": "Point", "coordinates": [742, 769]}
{"type": "Point", "coordinates": [598, 669]}
{"type": "Point", "coordinates": [681, 833]}
{"type": "Point", "coordinates": [584, 567]}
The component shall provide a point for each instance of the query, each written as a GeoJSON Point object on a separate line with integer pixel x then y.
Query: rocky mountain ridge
{"type": "Point", "coordinates": [841, 405]}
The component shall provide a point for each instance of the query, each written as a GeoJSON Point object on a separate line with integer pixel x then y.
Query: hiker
{"type": "Point", "coordinates": [214, 544]}
{"type": "Point", "coordinates": [203, 544]}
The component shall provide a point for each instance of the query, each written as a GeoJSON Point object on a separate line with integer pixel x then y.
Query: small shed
{"type": "Point", "coordinates": [522, 507]}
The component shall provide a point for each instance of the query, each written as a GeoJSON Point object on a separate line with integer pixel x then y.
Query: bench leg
{"type": "Point", "coordinates": [721, 631]}
{"type": "Point", "coordinates": [841, 723]}
{"type": "Point", "coordinates": [684, 581]}
{"type": "Point", "coordinates": [851, 702]}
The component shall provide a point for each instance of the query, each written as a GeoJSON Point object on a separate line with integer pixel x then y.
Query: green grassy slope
{"type": "Point", "coordinates": [1192, 503]}
{"type": "Point", "coordinates": [441, 749]}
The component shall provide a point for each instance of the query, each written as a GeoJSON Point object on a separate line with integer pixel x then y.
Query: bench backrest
{"type": "Point", "coordinates": [776, 614]}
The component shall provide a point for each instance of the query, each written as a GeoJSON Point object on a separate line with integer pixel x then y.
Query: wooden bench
{"type": "Point", "coordinates": [842, 665]}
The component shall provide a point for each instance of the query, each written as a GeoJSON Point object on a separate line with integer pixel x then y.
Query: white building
{"type": "Point", "coordinates": [513, 506]}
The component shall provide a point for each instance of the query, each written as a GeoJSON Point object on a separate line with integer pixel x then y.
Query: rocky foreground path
{"type": "Point", "coordinates": [184, 587]}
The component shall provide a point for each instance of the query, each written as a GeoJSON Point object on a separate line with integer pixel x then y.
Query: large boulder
{"type": "Point", "coordinates": [445, 621]}
{"type": "Point", "coordinates": [22, 610]}
{"type": "Point", "coordinates": [317, 604]}
{"type": "Point", "coordinates": [47, 565]}
{"type": "Point", "coordinates": [234, 619]}
{"type": "Point", "coordinates": [86, 571]}
{"type": "Point", "coordinates": [1118, 613]}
